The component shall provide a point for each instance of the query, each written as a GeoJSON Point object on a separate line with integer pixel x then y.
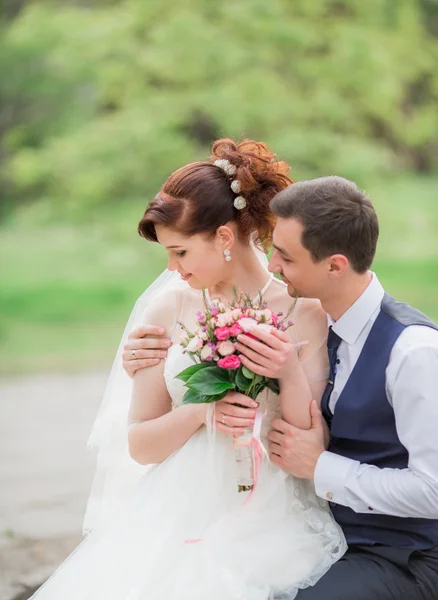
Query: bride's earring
{"type": "Point", "coordinates": [227, 255]}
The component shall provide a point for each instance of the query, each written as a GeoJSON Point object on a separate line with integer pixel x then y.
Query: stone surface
{"type": "Point", "coordinates": [45, 473]}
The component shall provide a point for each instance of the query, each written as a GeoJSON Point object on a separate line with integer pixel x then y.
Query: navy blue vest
{"type": "Point", "coordinates": [363, 428]}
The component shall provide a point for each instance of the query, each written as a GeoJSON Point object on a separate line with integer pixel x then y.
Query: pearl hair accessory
{"type": "Point", "coordinates": [235, 185]}
{"type": "Point", "coordinates": [227, 254]}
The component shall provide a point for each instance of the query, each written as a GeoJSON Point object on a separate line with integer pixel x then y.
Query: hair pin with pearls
{"type": "Point", "coordinates": [235, 185]}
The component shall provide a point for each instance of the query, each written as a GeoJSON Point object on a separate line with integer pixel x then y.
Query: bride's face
{"type": "Point", "coordinates": [198, 259]}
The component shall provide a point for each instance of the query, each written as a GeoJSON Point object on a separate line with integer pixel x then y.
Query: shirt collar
{"type": "Point", "coordinates": [352, 322]}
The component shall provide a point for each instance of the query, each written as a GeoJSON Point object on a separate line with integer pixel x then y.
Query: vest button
{"type": "Point", "coordinates": [370, 508]}
{"type": "Point", "coordinates": [338, 361]}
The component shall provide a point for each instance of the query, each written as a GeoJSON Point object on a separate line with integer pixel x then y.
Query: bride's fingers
{"type": "Point", "coordinates": [230, 410]}
{"type": "Point", "coordinates": [237, 398]}
{"type": "Point", "coordinates": [229, 430]}
{"type": "Point", "coordinates": [235, 421]}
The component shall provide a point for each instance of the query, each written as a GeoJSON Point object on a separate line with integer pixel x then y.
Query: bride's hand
{"type": "Point", "coordinates": [271, 355]}
{"type": "Point", "coordinates": [232, 419]}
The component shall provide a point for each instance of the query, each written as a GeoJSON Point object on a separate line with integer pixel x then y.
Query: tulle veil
{"type": "Point", "coordinates": [116, 472]}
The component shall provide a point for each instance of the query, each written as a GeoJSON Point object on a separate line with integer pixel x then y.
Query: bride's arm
{"type": "Point", "coordinates": [155, 430]}
{"type": "Point", "coordinates": [302, 376]}
{"type": "Point", "coordinates": [305, 379]}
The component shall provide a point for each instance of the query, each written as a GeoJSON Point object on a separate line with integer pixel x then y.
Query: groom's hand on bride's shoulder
{"type": "Point", "coordinates": [145, 347]}
{"type": "Point", "coordinates": [295, 450]}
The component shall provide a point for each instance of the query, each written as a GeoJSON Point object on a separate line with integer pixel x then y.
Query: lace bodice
{"type": "Point", "coordinates": [177, 361]}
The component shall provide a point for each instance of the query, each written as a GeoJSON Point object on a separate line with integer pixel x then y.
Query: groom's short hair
{"type": "Point", "coordinates": [337, 217]}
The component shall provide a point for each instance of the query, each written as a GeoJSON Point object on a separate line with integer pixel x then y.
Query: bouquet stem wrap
{"type": "Point", "coordinates": [248, 452]}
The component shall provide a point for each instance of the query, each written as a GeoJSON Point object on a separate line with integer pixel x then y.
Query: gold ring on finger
{"type": "Point", "coordinates": [133, 354]}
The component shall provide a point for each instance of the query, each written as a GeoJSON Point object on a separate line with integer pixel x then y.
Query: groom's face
{"type": "Point", "coordinates": [303, 276]}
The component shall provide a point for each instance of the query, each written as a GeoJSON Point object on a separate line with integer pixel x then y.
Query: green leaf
{"type": "Point", "coordinates": [210, 388]}
{"type": "Point", "coordinates": [242, 382]}
{"type": "Point", "coordinates": [192, 397]}
{"type": "Point", "coordinates": [247, 373]}
{"type": "Point", "coordinates": [190, 371]}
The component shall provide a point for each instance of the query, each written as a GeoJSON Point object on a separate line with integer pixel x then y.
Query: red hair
{"type": "Point", "coordinates": [198, 198]}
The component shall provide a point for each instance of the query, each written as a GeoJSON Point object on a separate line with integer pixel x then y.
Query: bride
{"type": "Point", "coordinates": [164, 520]}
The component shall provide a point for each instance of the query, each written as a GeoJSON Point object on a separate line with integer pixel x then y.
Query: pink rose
{"type": "Point", "coordinates": [229, 362]}
{"type": "Point", "coordinates": [213, 311]}
{"type": "Point", "coordinates": [274, 319]}
{"type": "Point", "coordinates": [222, 333]}
{"type": "Point", "coordinates": [235, 330]}
{"type": "Point", "coordinates": [226, 348]}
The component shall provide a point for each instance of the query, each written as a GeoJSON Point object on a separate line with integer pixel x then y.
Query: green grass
{"type": "Point", "coordinates": [67, 288]}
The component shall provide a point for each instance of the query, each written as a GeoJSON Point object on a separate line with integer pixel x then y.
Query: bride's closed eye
{"type": "Point", "coordinates": [181, 253]}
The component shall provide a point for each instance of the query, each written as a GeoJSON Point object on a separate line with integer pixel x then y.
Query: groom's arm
{"type": "Point", "coordinates": [412, 389]}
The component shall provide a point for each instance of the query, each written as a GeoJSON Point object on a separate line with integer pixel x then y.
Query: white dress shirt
{"type": "Point", "coordinates": [412, 391]}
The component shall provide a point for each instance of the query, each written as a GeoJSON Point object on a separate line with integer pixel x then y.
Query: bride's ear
{"type": "Point", "coordinates": [225, 237]}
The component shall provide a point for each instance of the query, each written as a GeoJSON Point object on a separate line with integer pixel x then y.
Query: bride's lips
{"type": "Point", "coordinates": [185, 277]}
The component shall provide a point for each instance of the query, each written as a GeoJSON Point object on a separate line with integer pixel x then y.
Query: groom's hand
{"type": "Point", "coordinates": [294, 450]}
{"type": "Point", "coordinates": [145, 347]}
{"type": "Point", "coordinates": [271, 354]}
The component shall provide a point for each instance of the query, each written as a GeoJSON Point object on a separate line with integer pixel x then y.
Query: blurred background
{"type": "Point", "coordinates": [101, 100]}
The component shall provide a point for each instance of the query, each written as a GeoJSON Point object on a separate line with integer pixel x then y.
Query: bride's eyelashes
{"type": "Point", "coordinates": [181, 253]}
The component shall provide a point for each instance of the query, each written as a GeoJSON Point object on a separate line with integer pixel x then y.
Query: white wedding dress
{"type": "Point", "coordinates": [185, 533]}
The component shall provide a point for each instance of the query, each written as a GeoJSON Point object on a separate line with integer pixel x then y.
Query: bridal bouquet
{"type": "Point", "coordinates": [218, 368]}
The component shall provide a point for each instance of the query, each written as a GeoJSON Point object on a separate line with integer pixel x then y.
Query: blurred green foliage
{"type": "Point", "coordinates": [101, 100]}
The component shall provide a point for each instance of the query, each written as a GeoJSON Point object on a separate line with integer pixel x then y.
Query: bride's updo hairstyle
{"type": "Point", "coordinates": [199, 197]}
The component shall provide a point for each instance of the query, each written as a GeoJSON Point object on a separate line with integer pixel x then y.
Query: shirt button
{"type": "Point", "coordinates": [338, 361]}
{"type": "Point", "coordinates": [329, 496]}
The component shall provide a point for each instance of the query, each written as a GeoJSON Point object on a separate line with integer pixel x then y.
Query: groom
{"type": "Point", "coordinates": [380, 471]}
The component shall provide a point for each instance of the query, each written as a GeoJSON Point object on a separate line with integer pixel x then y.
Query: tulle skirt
{"type": "Point", "coordinates": [187, 534]}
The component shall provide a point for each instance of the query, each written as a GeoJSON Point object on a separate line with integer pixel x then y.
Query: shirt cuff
{"type": "Point", "coordinates": [331, 474]}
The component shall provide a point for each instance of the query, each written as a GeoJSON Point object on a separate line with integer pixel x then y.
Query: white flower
{"type": "Point", "coordinates": [207, 353]}
{"type": "Point", "coordinates": [224, 319]}
{"type": "Point", "coordinates": [246, 324]}
{"type": "Point", "coordinates": [183, 340]}
{"type": "Point", "coordinates": [237, 313]}
{"type": "Point", "coordinates": [239, 202]}
{"type": "Point", "coordinates": [226, 348]}
{"type": "Point", "coordinates": [203, 335]}
{"type": "Point", "coordinates": [236, 186]}
{"type": "Point", "coordinates": [265, 327]}
{"type": "Point", "coordinates": [226, 166]}
{"type": "Point", "coordinates": [194, 345]}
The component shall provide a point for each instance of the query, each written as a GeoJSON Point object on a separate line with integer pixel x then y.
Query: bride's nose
{"type": "Point", "coordinates": [172, 264]}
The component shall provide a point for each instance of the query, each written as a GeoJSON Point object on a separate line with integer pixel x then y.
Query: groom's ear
{"type": "Point", "coordinates": [338, 264]}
